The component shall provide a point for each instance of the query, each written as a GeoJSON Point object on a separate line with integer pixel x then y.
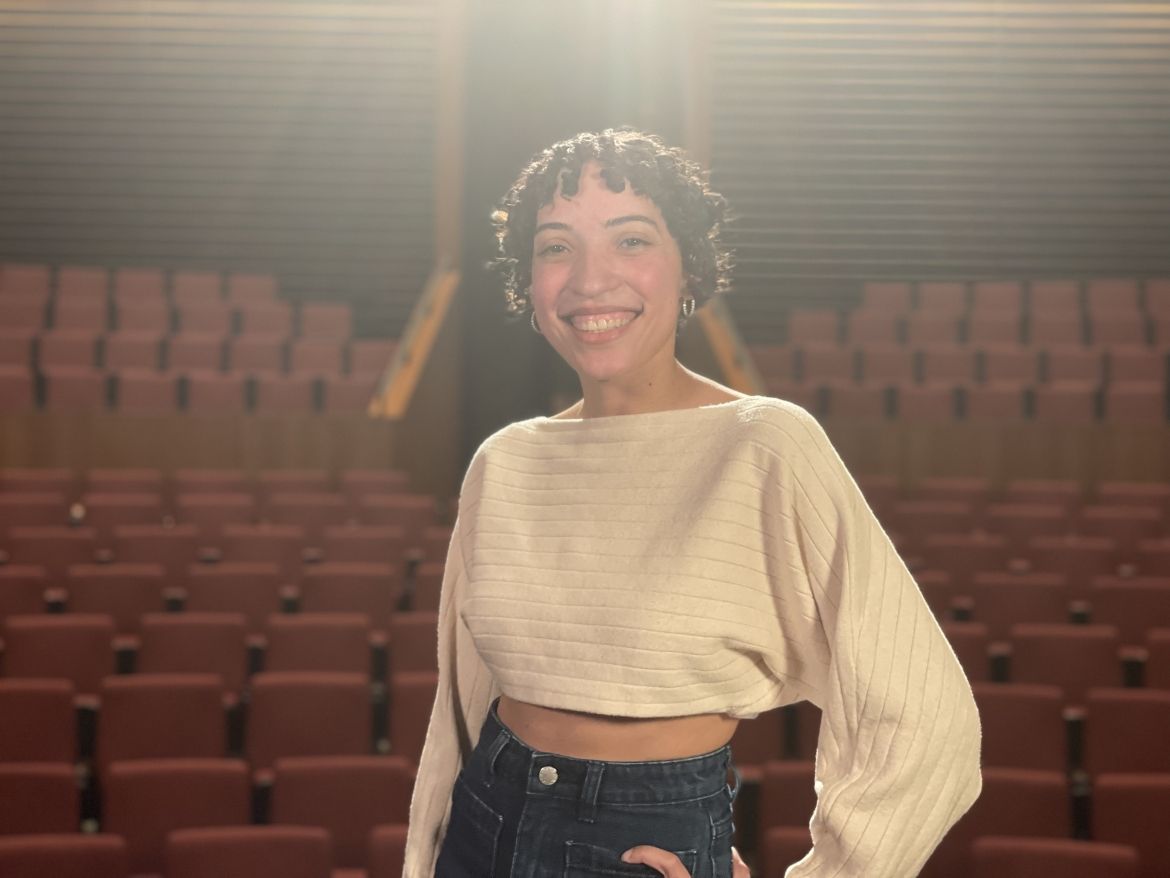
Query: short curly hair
{"type": "Point", "coordinates": [694, 213]}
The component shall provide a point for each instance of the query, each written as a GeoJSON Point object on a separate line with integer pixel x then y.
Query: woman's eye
{"type": "Point", "coordinates": [551, 250]}
{"type": "Point", "coordinates": [633, 242]}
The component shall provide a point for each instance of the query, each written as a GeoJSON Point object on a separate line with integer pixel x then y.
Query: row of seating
{"type": "Point", "coordinates": [938, 362]}
{"type": "Point", "coordinates": [45, 316]}
{"type": "Point", "coordinates": [144, 800]}
{"type": "Point", "coordinates": [254, 590]}
{"type": "Point", "coordinates": [86, 647]}
{"type": "Point", "coordinates": [188, 715]}
{"type": "Point", "coordinates": [1038, 295]}
{"type": "Point", "coordinates": [312, 510]}
{"type": "Point", "coordinates": [997, 601]}
{"type": "Point", "coordinates": [1074, 657]}
{"type": "Point", "coordinates": [131, 283]}
{"type": "Point", "coordinates": [151, 393]}
{"type": "Point", "coordinates": [189, 481]}
{"type": "Point", "coordinates": [217, 852]}
{"type": "Point", "coordinates": [879, 488]}
{"type": "Point", "coordinates": [994, 403]}
{"type": "Point", "coordinates": [152, 351]}
{"type": "Point", "coordinates": [999, 326]}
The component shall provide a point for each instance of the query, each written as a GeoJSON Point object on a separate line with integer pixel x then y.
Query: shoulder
{"type": "Point", "coordinates": [778, 422]}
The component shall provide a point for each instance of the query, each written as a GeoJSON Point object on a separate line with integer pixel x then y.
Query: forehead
{"type": "Point", "coordinates": [594, 200]}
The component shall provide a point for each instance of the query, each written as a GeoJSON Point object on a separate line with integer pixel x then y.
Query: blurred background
{"type": "Point", "coordinates": [245, 320]}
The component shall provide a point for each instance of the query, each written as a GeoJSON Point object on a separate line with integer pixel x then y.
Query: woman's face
{"type": "Point", "coordinates": [607, 281]}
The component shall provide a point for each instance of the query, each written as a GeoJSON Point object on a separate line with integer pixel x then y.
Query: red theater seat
{"type": "Point", "coordinates": [257, 354]}
{"type": "Point", "coordinates": [121, 591]}
{"type": "Point", "coordinates": [195, 352]}
{"type": "Point", "coordinates": [249, 852]}
{"type": "Point", "coordinates": [146, 800]}
{"type": "Point", "coordinates": [1023, 725]}
{"type": "Point", "coordinates": [216, 394]}
{"type": "Point", "coordinates": [1000, 857]}
{"type": "Point", "coordinates": [371, 355]}
{"type": "Point", "coordinates": [147, 393]}
{"type": "Point", "coordinates": [248, 588]}
{"type": "Point", "coordinates": [370, 588]}
{"type": "Point", "coordinates": [63, 856]}
{"type": "Point", "coordinates": [38, 721]}
{"type": "Point", "coordinates": [412, 695]}
{"type": "Point", "coordinates": [16, 344]}
{"type": "Point", "coordinates": [308, 713]}
{"type": "Point", "coordinates": [1133, 606]}
{"type": "Point", "coordinates": [311, 357]}
{"type": "Point", "coordinates": [76, 648]}
{"type": "Point", "coordinates": [759, 741]}
{"type": "Point", "coordinates": [82, 282]}
{"type": "Point", "coordinates": [75, 389]}
{"type": "Point", "coordinates": [1073, 657]}
{"type": "Point", "coordinates": [326, 320]}
{"type": "Point", "coordinates": [1014, 802]}
{"type": "Point", "coordinates": [932, 328]}
{"type": "Point", "coordinates": [204, 317]}
{"type": "Point", "coordinates": [285, 394]}
{"type": "Point", "coordinates": [53, 547]}
{"type": "Point", "coordinates": [266, 318]}
{"type": "Point", "coordinates": [318, 642]}
{"type": "Point", "coordinates": [139, 283]}
{"type": "Point", "coordinates": [1127, 730]}
{"type": "Point", "coordinates": [170, 546]}
{"type": "Point", "coordinates": [22, 590]}
{"type": "Point", "coordinates": [1131, 810]}
{"type": "Point", "coordinates": [195, 643]}
{"type": "Point", "coordinates": [386, 851]}
{"type": "Point", "coordinates": [38, 797]}
{"type": "Point", "coordinates": [369, 543]}
{"type": "Point", "coordinates": [22, 278]}
{"type": "Point", "coordinates": [942, 296]}
{"type": "Point", "coordinates": [17, 390]}
{"type": "Point", "coordinates": [196, 286]}
{"type": "Point", "coordinates": [1158, 660]}
{"type": "Point", "coordinates": [154, 716]}
{"type": "Point", "coordinates": [414, 642]}
{"type": "Point", "coordinates": [347, 795]}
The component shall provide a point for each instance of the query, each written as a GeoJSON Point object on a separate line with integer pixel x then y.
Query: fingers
{"type": "Point", "coordinates": [739, 868]}
{"type": "Point", "coordinates": [656, 858]}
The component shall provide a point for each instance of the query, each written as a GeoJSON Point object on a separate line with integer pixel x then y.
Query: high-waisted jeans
{"type": "Point", "coordinates": [522, 813]}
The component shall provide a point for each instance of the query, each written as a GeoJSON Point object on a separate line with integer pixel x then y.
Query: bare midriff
{"type": "Point", "coordinates": [614, 738]}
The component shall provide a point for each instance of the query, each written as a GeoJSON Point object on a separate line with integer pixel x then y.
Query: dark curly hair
{"type": "Point", "coordinates": [694, 213]}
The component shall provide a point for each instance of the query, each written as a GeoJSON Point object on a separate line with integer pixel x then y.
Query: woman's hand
{"type": "Point", "coordinates": [672, 867]}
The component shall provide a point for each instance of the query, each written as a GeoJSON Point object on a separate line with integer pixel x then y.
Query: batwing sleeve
{"type": "Point", "coordinates": [465, 692]}
{"type": "Point", "coordinates": [897, 758]}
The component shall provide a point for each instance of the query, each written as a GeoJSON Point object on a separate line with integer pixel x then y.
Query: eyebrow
{"type": "Point", "coordinates": [616, 221]}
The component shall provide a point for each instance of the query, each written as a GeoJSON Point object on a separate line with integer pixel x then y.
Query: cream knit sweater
{"type": "Point", "coordinates": [710, 560]}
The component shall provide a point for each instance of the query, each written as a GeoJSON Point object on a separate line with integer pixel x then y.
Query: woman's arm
{"type": "Point", "coordinates": [898, 754]}
{"type": "Point", "coordinates": [465, 692]}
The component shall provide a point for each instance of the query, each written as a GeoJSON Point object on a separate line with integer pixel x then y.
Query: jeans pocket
{"type": "Point", "coordinates": [473, 832]}
{"type": "Point", "coordinates": [583, 860]}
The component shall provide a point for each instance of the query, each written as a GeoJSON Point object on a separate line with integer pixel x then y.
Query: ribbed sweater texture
{"type": "Point", "coordinates": [708, 560]}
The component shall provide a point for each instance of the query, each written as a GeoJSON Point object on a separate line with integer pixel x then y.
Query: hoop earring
{"type": "Point", "coordinates": [688, 310]}
{"type": "Point", "coordinates": [535, 325]}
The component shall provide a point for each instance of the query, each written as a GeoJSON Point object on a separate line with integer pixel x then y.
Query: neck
{"type": "Point", "coordinates": [668, 389]}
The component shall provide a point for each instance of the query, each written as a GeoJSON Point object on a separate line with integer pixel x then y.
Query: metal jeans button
{"type": "Point", "coordinates": [547, 775]}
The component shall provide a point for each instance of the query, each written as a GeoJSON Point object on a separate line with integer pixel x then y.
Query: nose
{"type": "Point", "coordinates": [592, 273]}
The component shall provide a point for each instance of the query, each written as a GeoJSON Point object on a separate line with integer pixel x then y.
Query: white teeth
{"type": "Point", "coordinates": [600, 324]}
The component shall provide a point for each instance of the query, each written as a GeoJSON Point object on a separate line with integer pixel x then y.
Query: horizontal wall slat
{"type": "Point", "coordinates": [292, 138]}
{"type": "Point", "coordinates": [916, 140]}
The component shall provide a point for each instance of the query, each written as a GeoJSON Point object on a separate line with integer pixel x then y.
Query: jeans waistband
{"type": "Point", "coordinates": [500, 754]}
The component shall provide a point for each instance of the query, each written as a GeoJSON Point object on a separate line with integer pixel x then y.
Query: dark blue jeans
{"type": "Point", "coordinates": [521, 813]}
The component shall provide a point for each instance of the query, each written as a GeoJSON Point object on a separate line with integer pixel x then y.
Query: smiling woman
{"type": "Point", "coordinates": [630, 578]}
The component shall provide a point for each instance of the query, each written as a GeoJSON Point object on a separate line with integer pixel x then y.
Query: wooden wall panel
{"type": "Point", "coordinates": [968, 139]}
{"type": "Point", "coordinates": [296, 138]}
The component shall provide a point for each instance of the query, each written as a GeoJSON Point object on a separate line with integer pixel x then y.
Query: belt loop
{"type": "Point", "coordinates": [494, 751]}
{"type": "Point", "coordinates": [587, 805]}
